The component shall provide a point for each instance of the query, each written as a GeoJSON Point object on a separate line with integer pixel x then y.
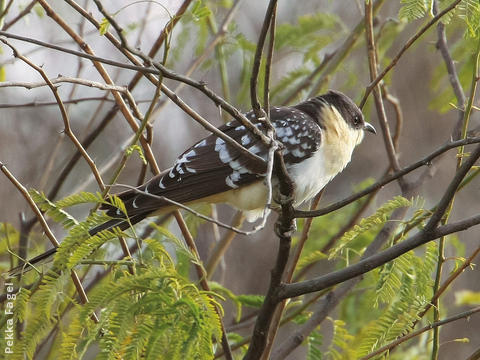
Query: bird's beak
{"type": "Point", "coordinates": [369, 127]}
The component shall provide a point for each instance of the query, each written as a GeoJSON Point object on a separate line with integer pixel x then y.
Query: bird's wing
{"type": "Point", "coordinates": [212, 166]}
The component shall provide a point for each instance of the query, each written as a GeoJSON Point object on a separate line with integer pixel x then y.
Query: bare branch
{"type": "Point", "coordinates": [426, 161]}
{"type": "Point", "coordinates": [405, 47]}
{"type": "Point", "coordinates": [64, 79]}
{"type": "Point", "coordinates": [374, 261]}
{"type": "Point", "coordinates": [202, 276]}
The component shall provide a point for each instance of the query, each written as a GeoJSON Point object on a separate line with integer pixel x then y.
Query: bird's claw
{"type": "Point", "coordinates": [282, 199]}
{"type": "Point", "coordinates": [282, 231]}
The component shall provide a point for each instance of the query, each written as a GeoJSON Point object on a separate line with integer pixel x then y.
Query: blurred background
{"type": "Point", "coordinates": [35, 150]}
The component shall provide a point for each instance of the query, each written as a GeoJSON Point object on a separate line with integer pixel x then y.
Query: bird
{"type": "Point", "coordinates": [317, 137]}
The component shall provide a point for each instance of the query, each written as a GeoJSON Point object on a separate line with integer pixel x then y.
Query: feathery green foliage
{"type": "Point", "coordinates": [413, 9]}
{"type": "Point", "coordinates": [136, 148]}
{"type": "Point", "coordinates": [469, 11]}
{"type": "Point", "coordinates": [312, 33]}
{"type": "Point", "coordinates": [254, 301]}
{"type": "Point", "coordinates": [153, 314]}
{"type": "Point", "coordinates": [52, 210]}
{"type": "Point", "coordinates": [154, 309]}
{"type": "Point", "coordinates": [314, 341]}
{"type": "Point", "coordinates": [398, 318]}
{"type": "Point", "coordinates": [340, 341]}
{"type": "Point", "coordinates": [79, 198]}
{"type": "Point", "coordinates": [380, 217]}
{"type": "Point", "coordinates": [9, 237]}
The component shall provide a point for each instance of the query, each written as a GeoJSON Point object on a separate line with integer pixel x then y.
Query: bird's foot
{"type": "Point", "coordinates": [281, 199]}
{"type": "Point", "coordinates": [283, 231]}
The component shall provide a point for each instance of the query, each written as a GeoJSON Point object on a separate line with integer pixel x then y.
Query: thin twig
{"type": "Point", "coordinates": [258, 57]}
{"type": "Point", "coordinates": [277, 318]}
{"type": "Point", "coordinates": [198, 85]}
{"type": "Point", "coordinates": [223, 245]}
{"type": "Point", "coordinates": [64, 79]}
{"type": "Point", "coordinates": [184, 207]}
{"type": "Point", "coordinates": [463, 315]}
{"type": "Point", "coordinates": [47, 230]}
{"type": "Point", "coordinates": [372, 62]}
{"type": "Point", "coordinates": [63, 112]}
{"type": "Point", "coordinates": [405, 47]}
{"type": "Point", "coordinates": [374, 261]}
{"type": "Point", "coordinates": [26, 10]}
{"type": "Point", "coordinates": [119, 100]}
{"type": "Point", "coordinates": [426, 161]}
{"type": "Point", "coordinates": [202, 276]}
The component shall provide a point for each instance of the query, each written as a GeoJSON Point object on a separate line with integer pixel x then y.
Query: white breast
{"type": "Point", "coordinates": [311, 176]}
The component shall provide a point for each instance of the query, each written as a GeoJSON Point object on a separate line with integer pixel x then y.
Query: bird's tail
{"type": "Point", "coordinates": [47, 256]}
{"type": "Point", "coordinates": [30, 264]}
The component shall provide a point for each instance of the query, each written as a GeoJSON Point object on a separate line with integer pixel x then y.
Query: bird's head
{"type": "Point", "coordinates": [347, 110]}
{"type": "Point", "coordinates": [336, 111]}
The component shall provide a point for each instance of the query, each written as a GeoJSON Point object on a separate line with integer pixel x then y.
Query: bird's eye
{"type": "Point", "coordinates": [357, 120]}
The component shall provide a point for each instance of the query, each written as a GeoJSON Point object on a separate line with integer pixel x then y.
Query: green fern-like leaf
{"type": "Point", "coordinates": [9, 237]}
{"type": "Point", "coordinates": [469, 11]}
{"type": "Point", "coordinates": [380, 217]}
{"type": "Point", "coordinates": [340, 342]}
{"type": "Point", "coordinates": [285, 85]}
{"type": "Point", "coordinates": [413, 9]}
{"type": "Point", "coordinates": [136, 148]}
{"type": "Point", "coordinates": [80, 198]}
{"type": "Point", "coordinates": [153, 314]}
{"type": "Point", "coordinates": [314, 341]}
{"type": "Point", "coordinates": [68, 349]}
{"type": "Point", "coordinates": [47, 301]}
{"type": "Point", "coordinates": [91, 244]}
{"type": "Point", "coordinates": [310, 258]}
{"type": "Point", "coordinates": [22, 299]}
{"type": "Point", "coordinates": [52, 210]}
{"type": "Point", "coordinates": [397, 319]}
{"type": "Point", "coordinates": [169, 236]}
{"type": "Point", "coordinates": [76, 236]}
{"type": "Point", "coordinates": [391, 275]}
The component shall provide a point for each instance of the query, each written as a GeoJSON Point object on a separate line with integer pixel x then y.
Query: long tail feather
{"type": "Point", "coordinates": [48, 255]}
{"type": "Point", "coordinates": [36, 261]}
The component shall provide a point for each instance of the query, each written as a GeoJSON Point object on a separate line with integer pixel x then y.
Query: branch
{"type": "Point", "coordinates": [63, 112]}
{"type": "Point", "coordinates": [374, 261]}
{"type": "Point", "coordinates": [341, 53]}
{"type": "Point", "coordinates": [128, 51]}
{"type": "Point", "coordinates": [199, 85]}
{"type": "Point", "coordinates": [284, 227]}
{"type": "Point", "coordinates": [382, 116]}
{"type": "Point", "coordinates": [202, 276]}
{"type": "Point", "coordinates": [452, 73]}
{"type": "Point", "coordinates": [272, 5]}
{"type": "Point", "coordinates": [63, 79]}
{"type": "Point", "coordinates": [405, 47]}
{"type": "Point", "coordinates": [463, 315]}
{"type": "Point", "coordinates": [430, 232]}
{"type": "Point", "coordinates": [142, 69]}
{"type": "Point", "coordinates": [46, 228]}
{"type": "Point", "coordinates": [426, 161]}
{"type": "Point", "coordinates": [334, 297]}
{"type": "Point", "coordinates": [20, 15]}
